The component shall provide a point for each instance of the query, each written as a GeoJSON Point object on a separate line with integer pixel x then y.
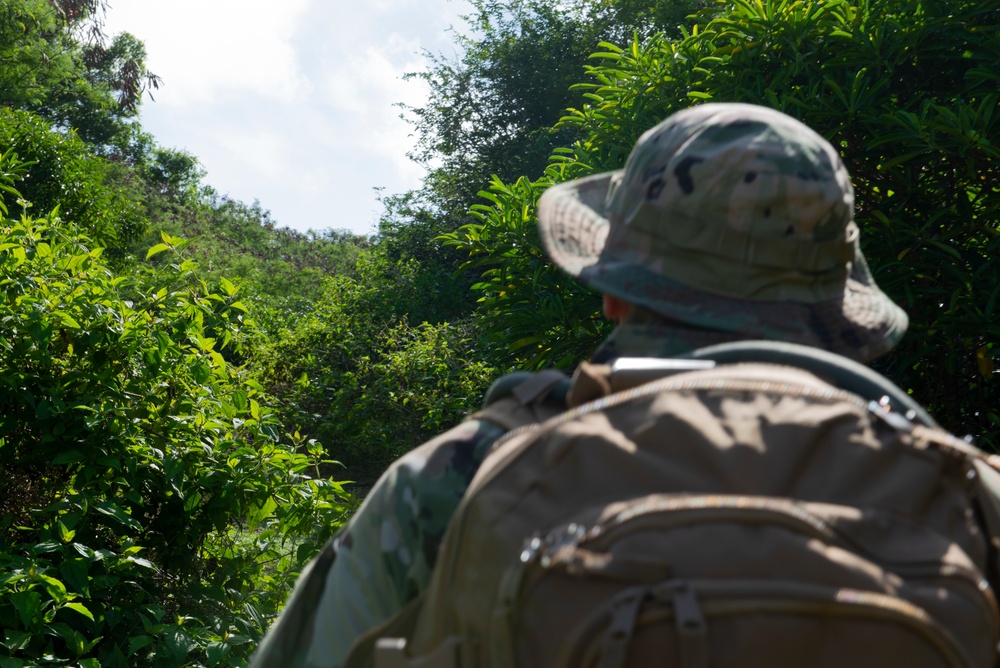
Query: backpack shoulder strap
{"type": "Point", "coordinates": [523, 397]}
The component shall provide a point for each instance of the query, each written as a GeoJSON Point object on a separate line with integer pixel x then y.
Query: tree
{"type": "Point", "coordinates": [493, 109]}
{"type": "Point", "coordinates": [57, 62]}
{"type": "Point", "coordinates": [492, 112]}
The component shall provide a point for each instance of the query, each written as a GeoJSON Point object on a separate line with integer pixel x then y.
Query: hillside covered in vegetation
{"type": "Point", "coordinates": [192, 397]}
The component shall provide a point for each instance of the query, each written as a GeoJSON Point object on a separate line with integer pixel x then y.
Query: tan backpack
{"type": "Point", "coordinates": [741, 516]}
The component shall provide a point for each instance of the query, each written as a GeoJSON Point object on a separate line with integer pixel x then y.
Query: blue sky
{"type": "Point", "coordinates": [291, 103]}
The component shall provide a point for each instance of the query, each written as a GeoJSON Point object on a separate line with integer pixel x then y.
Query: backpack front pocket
{"type": "Point", "coordinates": [730, 624]}
{"type": "Point", "coordinates": [764, 578]}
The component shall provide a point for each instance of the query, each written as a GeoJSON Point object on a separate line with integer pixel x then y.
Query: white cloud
{"type": "Point", "coordinates": [291, 104]}
{"type": "Point", "coordinates": [207, 48]}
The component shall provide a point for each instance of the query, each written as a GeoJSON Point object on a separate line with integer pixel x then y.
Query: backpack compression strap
{"type": "Point", "coordinates": [523, 397]}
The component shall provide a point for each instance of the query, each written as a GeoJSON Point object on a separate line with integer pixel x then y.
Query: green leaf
{"type": "Point", "coordinates": [216, 651]}
{"type": "Point", "coordinates": [139, 561]}
{"type": "Point", "coordinates": [180, 644]}
{"type": "Point", "coordinates": [240, 400]}
{"type": "Point", "coordinates": [261, 513]}
{"type": "Point", "coordinates": [138, 642]}
{"type": "Point", "coordinates": [81, 608]}
{"type": "Point", "coordinates": [28, 605]}
{"type": "Point", "coordinates": [85, 551]}
{"type": "Point", "coordinates": [113, 511]}
{"type": "Point", "coordinates": [75, 573]}
{"type": "Point", "coordinates": [65, 535]}
{"type": "Point", "coordinates": [67, 320]}
{"type": "Point", "coordinates": [16, 640]}
{"type": "Point", "coordinates": [46, 547]}
{"type": "Point", "coordinates": [158, 248]}
{"type": "Point", "coordinates": [55, 588]}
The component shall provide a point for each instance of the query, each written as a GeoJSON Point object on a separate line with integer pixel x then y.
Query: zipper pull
{"type": "Point", "coordinates": [624, 612]}
{"type": "Point", "coordinates": [692, 631]}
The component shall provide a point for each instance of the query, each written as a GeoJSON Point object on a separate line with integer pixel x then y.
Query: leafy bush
{"type": "Point", "coordinates": [153, 513]}
{"type": "Point", "coordinates": [64, 172]}
{"type": "Point", "coordinates": [905, 88]}
{"type": "Point", "coordinates": [281, 272]}
{"type": "Point", "coordinates": [535, 315]}
{"type": "Point", "coordinates": [361, 379]}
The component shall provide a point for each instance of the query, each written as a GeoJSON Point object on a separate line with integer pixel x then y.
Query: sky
{"type": "Point", "coordinates": [292, 103]}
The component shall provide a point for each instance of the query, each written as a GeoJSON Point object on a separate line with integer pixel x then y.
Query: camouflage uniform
{"type": "Point", "coordinates": [383, 559]}
{"type": "Point", "coordinates": [729, 222]}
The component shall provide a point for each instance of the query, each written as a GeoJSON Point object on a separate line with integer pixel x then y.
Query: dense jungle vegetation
{"type": "Point", "coordinates": [186, 387]}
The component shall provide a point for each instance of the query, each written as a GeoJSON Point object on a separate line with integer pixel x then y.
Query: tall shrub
{"type": "Point", "coordinates": [152, 511]}
{"type": "Point", "coordinates": [61, 170]}
{"type": "Point", "coordinates": [367, 383]}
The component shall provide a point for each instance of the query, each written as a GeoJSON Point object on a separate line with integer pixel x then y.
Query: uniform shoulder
{"type": "Point", "coordinates": [528, 387]}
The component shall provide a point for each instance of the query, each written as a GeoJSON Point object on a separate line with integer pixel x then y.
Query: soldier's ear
{"type": "Point", "coordinates": [616, 309]}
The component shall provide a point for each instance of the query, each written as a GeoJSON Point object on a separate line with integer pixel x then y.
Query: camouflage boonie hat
{"type": "Point", "coordinates": [728, 217]}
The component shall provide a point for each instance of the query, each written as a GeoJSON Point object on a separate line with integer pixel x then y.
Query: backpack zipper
{"type": "Point", "coordinates": [785, 511]}
{"type": "Point", "coordinates": [732, 598]}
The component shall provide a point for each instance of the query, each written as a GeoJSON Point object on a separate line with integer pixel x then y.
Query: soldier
{"type": "Point", "coordinates": [729, 222]}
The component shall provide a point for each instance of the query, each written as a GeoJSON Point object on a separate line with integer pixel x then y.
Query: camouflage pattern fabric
{"type": "Point", "coordinates": [647, 334]}
{"type": "Point", "coordinates": [383, 558]}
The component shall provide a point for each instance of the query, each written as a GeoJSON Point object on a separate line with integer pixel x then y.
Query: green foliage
{"type": "Point", "coordinates": [492, 110]}
{"type": "Point", "coordinates": [408, 234]}
{"type": "Point", "coordinates": [65, 173]}
{"type": "Point", "coordinates": [174, 176]}
{"type": "Point", "coordinates": [535, 315]}
{"type": "Point", "coordinates": [152, 512]}
{"type": "Point", "coordinates": [55, 60]}
{"type": "Point", "coordinates": [35, 53]}
{"type": "Point", "coordinates": [906, 89]}
{"type": "Point", "coordinates": [369, 385]}
{"type": "Point", "coordinates": [491, 118]}
{"type": "Point", "coordinates": [281, 272]}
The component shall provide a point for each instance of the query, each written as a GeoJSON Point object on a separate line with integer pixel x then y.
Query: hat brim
{"type": "Point", "coordinates": [861, 323]}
